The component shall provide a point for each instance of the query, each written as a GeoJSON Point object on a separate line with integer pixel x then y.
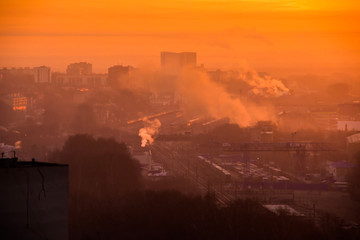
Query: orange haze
{"type": "Point", "coordinates": [282, 36]}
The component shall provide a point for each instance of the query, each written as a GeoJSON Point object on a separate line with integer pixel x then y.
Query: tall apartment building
{"type": "Point", "coordinates": [120, 76]}
{"type": "Point", "coordinates": [42, 74]}
{"type": "Point", "coordinates": [80, 68]}
{"type": "Point", "coordinates": [173, 63]}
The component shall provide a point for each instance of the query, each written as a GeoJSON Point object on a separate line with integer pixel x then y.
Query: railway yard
{"type": "Point", "coordinates": [231, 171]}
{"type": "Point", "coordinates": [229, 177]}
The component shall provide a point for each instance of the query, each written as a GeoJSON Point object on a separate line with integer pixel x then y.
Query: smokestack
{"type": "Point", "coordinates": [149, 159]}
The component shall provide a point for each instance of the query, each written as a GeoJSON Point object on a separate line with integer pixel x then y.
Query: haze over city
{"type": "Point", "coordinates": [282, 37]}
{"type": "Point", "coordinates": [203, 119]}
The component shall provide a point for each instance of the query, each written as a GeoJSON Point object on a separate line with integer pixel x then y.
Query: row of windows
{"type": "Point", "coordinates": [76, 81]}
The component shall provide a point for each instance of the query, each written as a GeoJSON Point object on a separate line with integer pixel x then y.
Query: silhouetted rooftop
{"type": "Point", "coordinates": [14, 163]}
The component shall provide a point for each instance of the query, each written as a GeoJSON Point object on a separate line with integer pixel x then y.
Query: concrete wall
{"type": "Point", "coordinates": [34, 202]}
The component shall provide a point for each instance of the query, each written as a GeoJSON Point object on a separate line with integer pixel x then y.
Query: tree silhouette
{"type": "Point", "coordinates": [101, 172]}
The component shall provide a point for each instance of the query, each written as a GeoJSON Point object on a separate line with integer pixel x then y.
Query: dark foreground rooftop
{"type": "Point", "coordinates": [15, 163]}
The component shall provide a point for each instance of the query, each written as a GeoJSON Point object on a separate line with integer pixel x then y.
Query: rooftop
{"type": "Point", "coordinates": [14, 163]}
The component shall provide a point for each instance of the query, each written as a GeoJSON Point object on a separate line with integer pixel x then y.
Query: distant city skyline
{"type": "Point", "coordinates": [101, 64]}
{"type": "Point", "coordinates": [281, 37]}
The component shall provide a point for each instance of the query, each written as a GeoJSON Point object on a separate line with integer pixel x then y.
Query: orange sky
{"type": "Point", "coordinates": [274, 36]}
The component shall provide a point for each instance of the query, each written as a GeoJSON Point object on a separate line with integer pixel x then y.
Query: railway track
{"type": "Point", "coordinates": [187, 167]}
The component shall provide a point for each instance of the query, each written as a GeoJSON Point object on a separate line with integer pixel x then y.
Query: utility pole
{"type": "Point", "coordinates": [293, 136]}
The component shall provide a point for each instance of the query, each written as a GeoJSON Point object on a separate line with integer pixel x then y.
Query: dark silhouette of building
{"type": "Point", "coordinates": [17, 74]}
{"type": "Point", "coordinates": [120, 76]}
{"type": "Point", "coordinates": [42, 74]}
{"type": "Point", "coordinates": [34, 200]}
{"type": "Point", "coordinates": [173, 63]}
{"type": "Point", "coordinates": [81, 68]}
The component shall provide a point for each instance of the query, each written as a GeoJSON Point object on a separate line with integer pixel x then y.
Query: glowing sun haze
{"type": "Point", "coordinates": [274, 36]}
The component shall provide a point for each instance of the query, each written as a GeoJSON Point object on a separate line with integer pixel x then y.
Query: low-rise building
{"type": "Point", "coordinates": [17, 101]}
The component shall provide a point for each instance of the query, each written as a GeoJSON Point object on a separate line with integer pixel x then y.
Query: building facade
{"type": "Point", "coordinates": [19, 74]}
{"type": "Point", "coordinates": [120, 76]}
{"type": "Point", "coordinates": [80, 68]}
{"type": "Point", "coordinates": [85, 80]}
{"type": "Point", "coordinates": [173, 63]}
{"type": "Point", "coordinates": [42, 74]}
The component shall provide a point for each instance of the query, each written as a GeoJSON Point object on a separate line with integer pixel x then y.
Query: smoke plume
{"type": "Point", "coordinates": [265, 86]}
{"type": "Point", "coordinates": [202, 95]}
{"type": "Point", "coordinates": [150, 129]}
{"type": "Point", "coordinates": [7, 150]}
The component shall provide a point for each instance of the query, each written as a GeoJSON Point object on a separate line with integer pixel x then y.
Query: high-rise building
{"type": "Point", "coordinates": [42, 74]}
{"type": "Point", "coordinates": [81, 68]}
{"type": "Point", "coordinates": [173, 63]}
{"type": "Point", "coordinates": [120, 76]}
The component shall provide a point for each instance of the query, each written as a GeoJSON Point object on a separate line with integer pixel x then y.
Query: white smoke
{"type": "Point", "coordinates": [7, 150]}
{"type": "Point", "coordinates": [202, 95]}
{"type": "Point", "coordinates": [265, 86]}
{"type": "Point", "coordinates": [150, 129]}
